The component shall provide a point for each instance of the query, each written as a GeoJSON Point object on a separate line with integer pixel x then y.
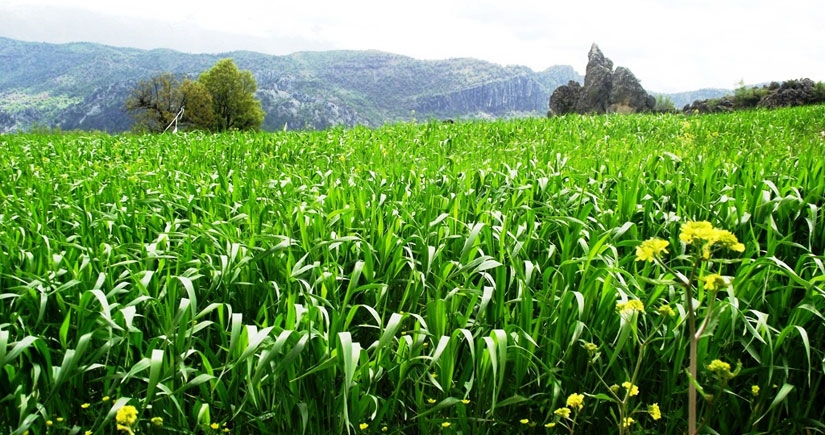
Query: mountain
{"type": "Point", "coordinates": [84, 86]}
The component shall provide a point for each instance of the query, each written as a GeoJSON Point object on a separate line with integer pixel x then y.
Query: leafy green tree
{"type": "Point", "coordinates": [155, 102]}
{"type": "Point", "coordinates": [233, 97]}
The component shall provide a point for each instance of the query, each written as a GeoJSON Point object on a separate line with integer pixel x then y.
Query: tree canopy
{"type": "Point", "coordinates": [233, 96]}
{"type": "Point", "coordinates": [222, 98]}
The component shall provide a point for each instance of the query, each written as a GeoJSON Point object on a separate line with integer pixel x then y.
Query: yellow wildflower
{"type": "Point", "coordinates": [628, 421]}
{"type": "Point", "coordinates": [384, 429]}
{"type": "Point", "coordinates": [465, 401]}
{"type": "Point", "coordinates": [85, 405]}
{"type": "Point", "coordinates": [215, 426]}
{"type": "Point", "coordinates": [755, 390]}
{"type": "Point", "coordinates": [614, 389]}
{"type": "Point", "coordinates": [551, 424]}
{"type": "Point", "coordinates": [126, 429]}
{"type": "Point", "coordinates": [692, 231]}
{"type": "Point", "coordinates": [49, 423]}
{"type": "Point", "coordinates": [633, 390]}
{"type": "Point", "coordinates": [105, 398]}
{"type": "Point", "coordinates": [666, 310]}
{"type": "Point", "coordinates": [430, 401]}
{"type": "Point", "coordinates": [714, 281]}
{"type": "Point", "coordinates": [630, 306]}
{"type": "Point", "coordinates": [88, 432]}
{"type": "Point", "coordinates": [721, 369]}
{"type": "Point", "coordinates": [59, 419]}
{"type": "Point", "coordinates": [575, 401]}
{"type": "Point", "coordinates": [363, 426]}
{"type": "Point", "coordinates": [562, 412]}
{"type": "Point", "coordinates": [651, 248]}
{"type": "Point", "coordinates": [446, 424]}
{"type": "Point", "coordinates": [157, 421]}
{"type": "Point", "coordinates": [654, 411]}
{"type": "Point", "coordinates": [126, 415]}
{"type": "Point", "coordinates": [591, 347]}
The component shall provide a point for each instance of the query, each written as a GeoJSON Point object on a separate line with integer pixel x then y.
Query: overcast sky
{"type": "Point", "coordinates": [670, 46]}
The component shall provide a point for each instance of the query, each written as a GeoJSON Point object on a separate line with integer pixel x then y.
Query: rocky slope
{"type": "Point", "coordinates": [84, 86]}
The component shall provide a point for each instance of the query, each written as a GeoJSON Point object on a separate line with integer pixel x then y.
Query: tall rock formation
{"type": "Point", "coordinates": [604, 90]}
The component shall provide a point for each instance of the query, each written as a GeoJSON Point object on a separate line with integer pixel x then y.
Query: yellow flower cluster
{"type": "Point", "coordinates": [575, 401]}
{"type": "Point", "coordinates": [714, 281]}
{"type": "Point", "coordinates": [651, 248]}
{"type": "Point", "coordinates": [755, 390]}
{"type": "Point", "coordinates": [562, 412]}
{"type": "Point", "coordinates": [633, 390]}
{"type": "Point", "coordinates": [721, 369]}
{"type": "Point", "coordinates": [703, 231]}
{"type": "Point", "coordinates": [630, 307]}
{"type": "Point", "coordinates": [627, 422]}
{"type": "Point", "coordinates": [667, 311]}
{"type": "Point", "coordinates": [654, 411]}
{"type": "Point", "coordinates": [126, 415]}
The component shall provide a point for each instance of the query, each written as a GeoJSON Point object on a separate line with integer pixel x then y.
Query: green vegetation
{"type": "Point", "coordinates": [223, 98]}
{"type": "Point", "coordinates": [523, 276]}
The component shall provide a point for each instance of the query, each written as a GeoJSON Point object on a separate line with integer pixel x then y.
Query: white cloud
{"type": "Point", "coordinates": [670, 45]}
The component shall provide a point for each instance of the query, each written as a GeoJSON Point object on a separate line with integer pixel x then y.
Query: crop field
{"type": "Point", "coordinates": [511, 277]}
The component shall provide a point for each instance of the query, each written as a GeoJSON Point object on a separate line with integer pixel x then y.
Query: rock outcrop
{"type": "Point", "coordinates": [775, 95]}
{"type": "Point", "coordinates": [604, 90]}
{"type": "Point", "coordinates": [791, 93]}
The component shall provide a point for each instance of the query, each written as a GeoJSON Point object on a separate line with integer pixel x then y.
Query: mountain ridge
{"type": "Point", "coordinates": [83, 85]}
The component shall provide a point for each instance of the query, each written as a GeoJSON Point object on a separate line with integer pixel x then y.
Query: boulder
{"type": "Point", "coordinates": [790, 93]}
{"type": "Point", "coordinates": [564, 98]}
{"type": "Point", "coordinates": [604, 90]}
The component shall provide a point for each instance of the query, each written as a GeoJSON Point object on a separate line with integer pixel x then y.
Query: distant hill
{"type": "Point", "coordinates": [84, 86]}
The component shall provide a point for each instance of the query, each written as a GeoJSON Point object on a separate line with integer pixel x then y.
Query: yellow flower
{"type": "Point", "coordinates": [632, 389]}
{"type": "Point", "coordinates": [88, 432]}
{"type": "Point", "coordinates": [721, 369]}
{"type": "Point", "coordinates": [630, 306]}
{"type": "Point", "coordinates": [465, 401]}
{"type": "Point", "coordinates": [157, 421]}
{"type": "Point", "coordinates": [591, 347]}
{"type": "Point", "coordinates": [692, 231]}
{"type": "Point", "coordinates": [665, 310]}
{"type": "Point", "coordinates": [49, 423]}
{"type": "Point", "coordinates": [562, 412]}
{"type": "Point", "coordinates": [628, 421]}
{"type": "Point", "coordinates": [59, 419]}
{"type": "Point", "coordinates": [446, 424]}
{"type": "Point", "coordinates": [654, 411]}
{"type": "Point", "coordinates": [384, 429]}
{"type": "Point", "coordinates": [126, 415]}
{"type": "Point", "coordinates": [105, 398]}
{"type": "Point", "coordinates": [551, 424]}
{"type": "Point", "coordinates": [126, 429]}
{"type": "Point", "coordinates": [755, 390]}
{"type": "Point", "coordinates": [524, 421]}
{"type": "Point", "coordinates": [714, 281]}
{"type": "Point", "coordinates": [430, 401]}
{"type": "Point", "coordinates": [614, 389]}
{"type": "Point", "coordinates": [85, 405]}
{"type": "Point", "coordinates": [215, 426]}
{"type": "Point", "coordinates": [651, 248]}
{"type": "Point", "coordinates": [363, 426]}
{"type": "Point", "coordinates": [575, 401]}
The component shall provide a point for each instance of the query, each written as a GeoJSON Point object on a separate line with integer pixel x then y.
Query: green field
{"type": "Point", "coordinates": [415, 279]}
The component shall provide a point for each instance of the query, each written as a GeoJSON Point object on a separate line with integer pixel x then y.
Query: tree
{"type": "Point", "coordinates": [233, 96]}
{"type": "Point", "coordinates": [155, 102]}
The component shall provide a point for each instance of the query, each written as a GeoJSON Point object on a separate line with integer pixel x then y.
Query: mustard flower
{"type": "Point", "coordinates": [692, 231]}
{"type": "Point", "coordinates": [654, 411]}
{"type": "Point", "coordinates": [446, 424]}
{"type": "Point", "coordinates": [721, 369]}
{"type": "Point", "coordinates": [384, 428]}
{"type": "Point", "coordinates": [628, 421]}
{"type": "Point", "coordinates": [431, 401]}
{"type": "Point", "coordinates": [105, 398]}
{"type": "Point", "coordinates": [49, 423]}
{"type": "Point", "coordinates": [215, 426]}
{"type": "Point", "coordinates": [551, 424]}
{"type": "Point", "coordinates": [630, 307]}
{"type": "Point", "coordinates": [363, 426]}
{"type": "Point", "coordinates": [667, 311]}
{"type": "Point", "coordinates": [124, 428]}
{"type": "Point", "coordinates": [591, 347]}
{"type": "Point", "coordinates": [465, 401]}
{"type": "Point", "coordinates": [524, 421]}
{"type": "Point", "coordinates": [651, 248]}
{"type": "Point", "coordinates": [88, 432]}
{"type": "Point", "coordinates": [562, 412]}
{"type": "Point", "coordinates": [714, 281]}
{"type": "Point", "coordinates": [59, 419]}
{"type": "Point", "coordinates": [614, 389]}
{"type": "Point", "coordinates": [85, 405]}
{"type": "Point", "coordinates": [126, 415]}
{"type": "Point", "coordinates": [633, 390]}
{"type": "Point", "coordinates": [755, 390]}
{"type": "Point", "coordinates": [575, 401]}
{"type": "Point", "coordinates": [157, 421]}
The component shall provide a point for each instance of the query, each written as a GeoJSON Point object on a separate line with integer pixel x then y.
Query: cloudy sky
{"type": "Point", "coordinates": [670, 45]}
